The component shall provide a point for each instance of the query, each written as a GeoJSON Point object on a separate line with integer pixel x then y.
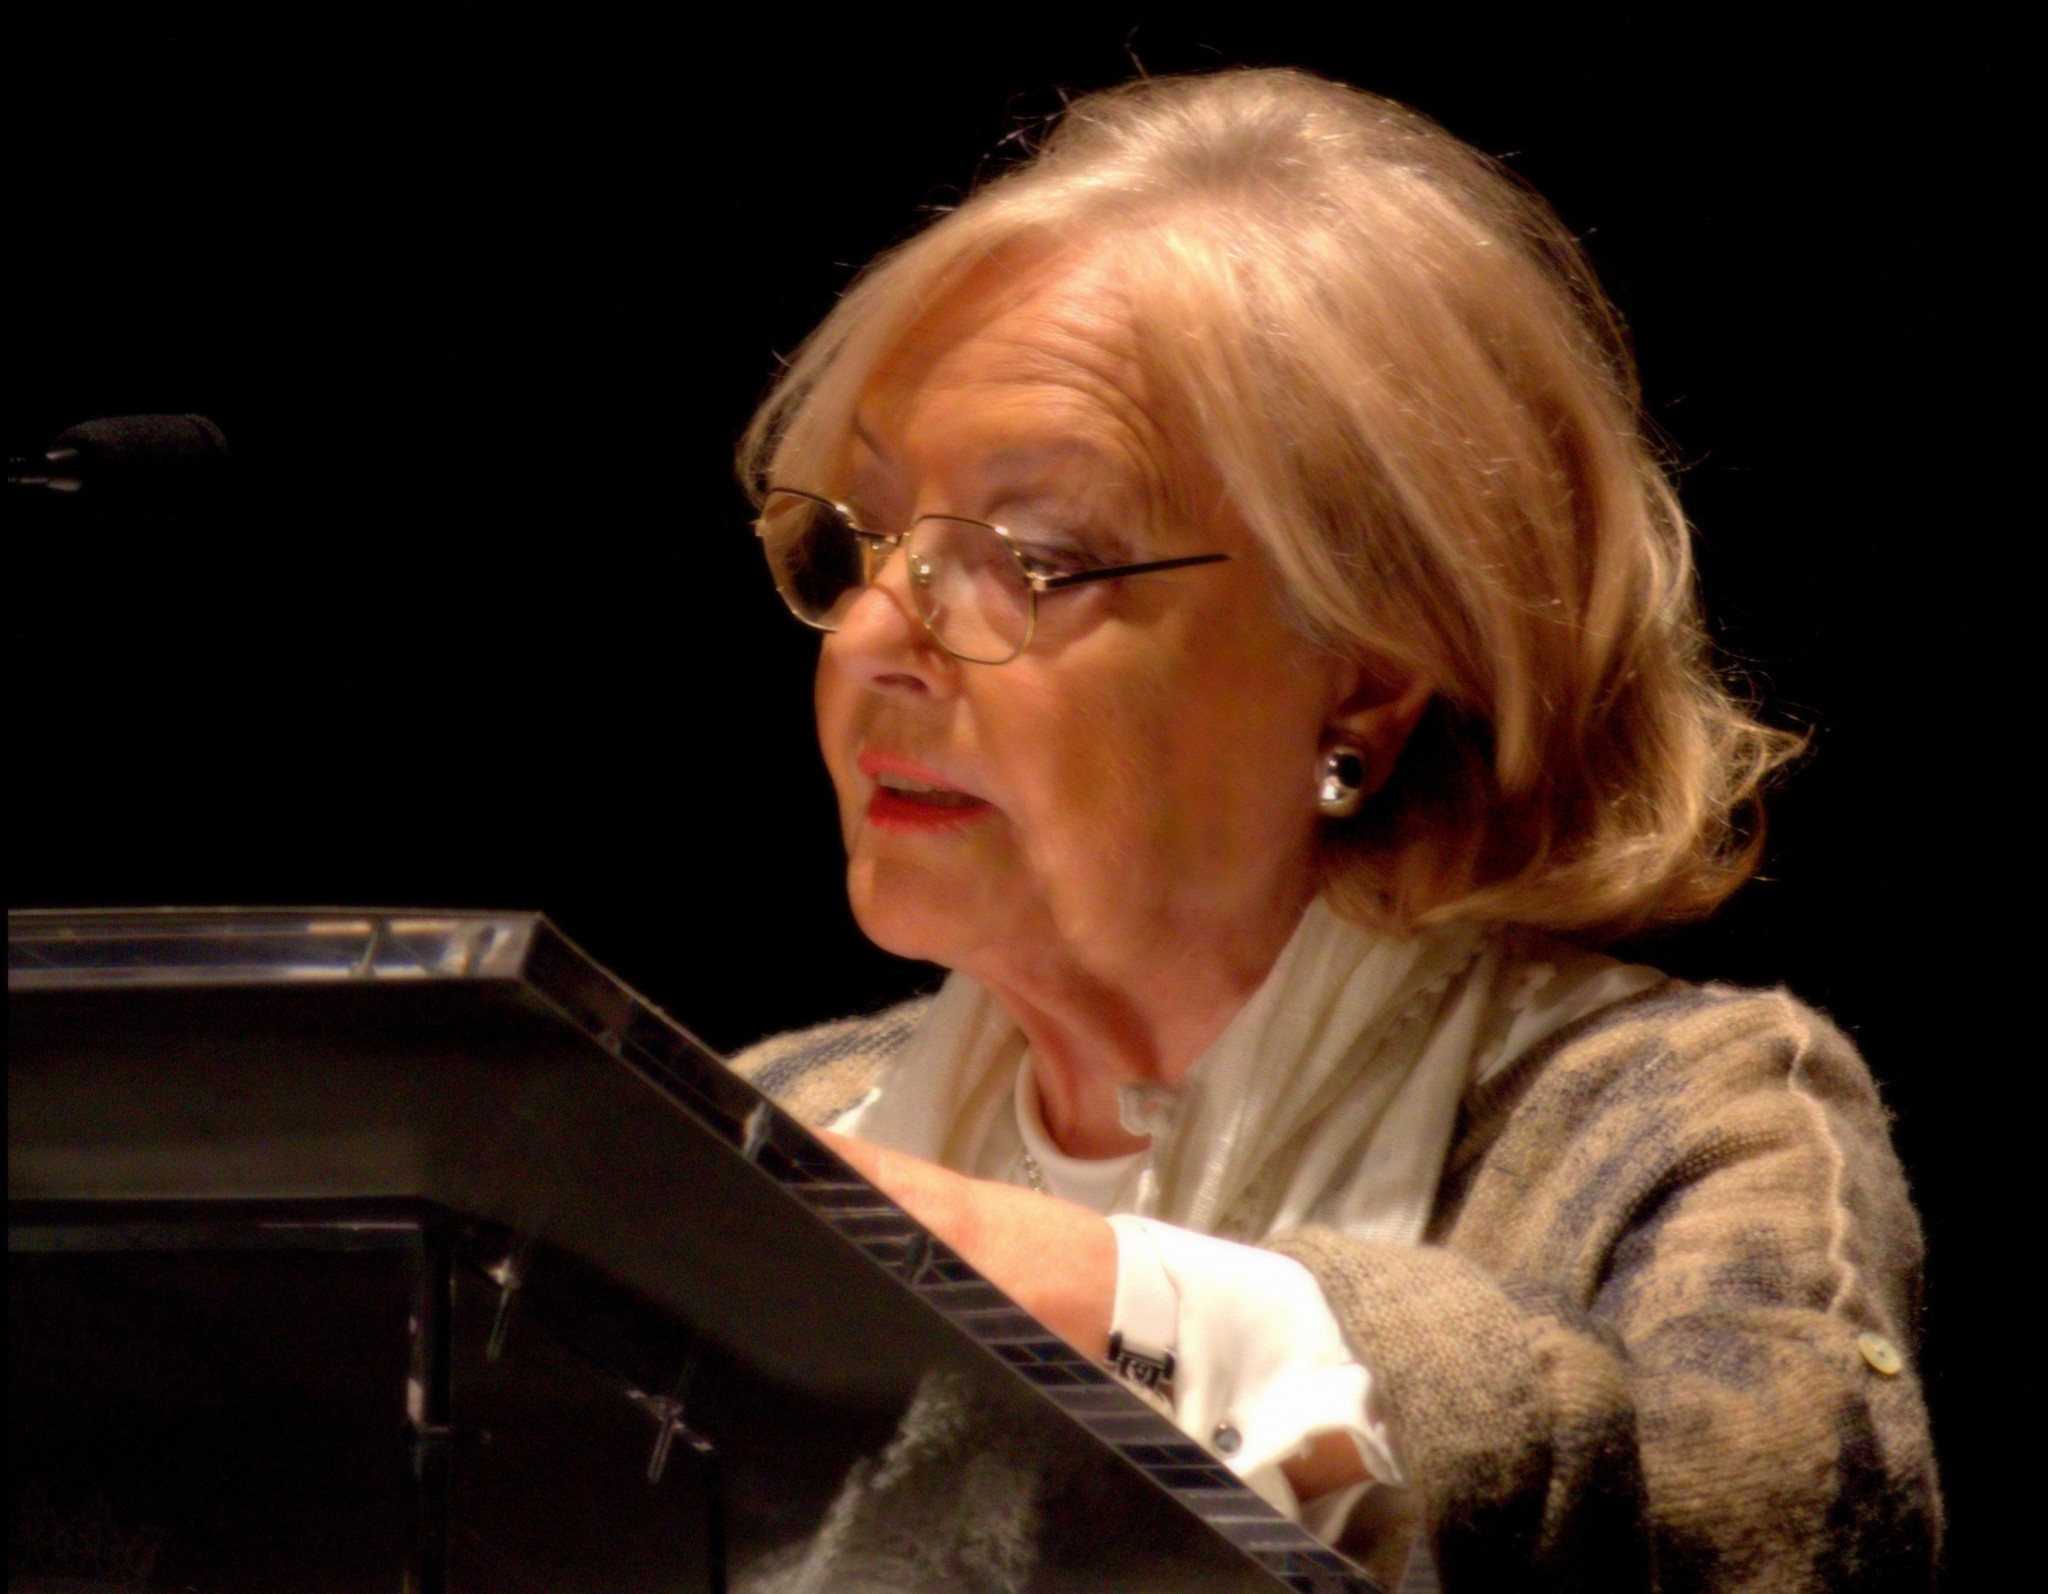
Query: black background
{"type": "Point", "coordinates": [483, 304]}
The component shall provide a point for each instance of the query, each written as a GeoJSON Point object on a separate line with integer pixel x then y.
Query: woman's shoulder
{"type": "Point", "coordinates": [1700, 1030]}
{"type": "Point", "coordinates": [818, 1073]}
{"type": "Point", "coordinates": [1677, 1040]}
{"type": "Point", "coordinates": [1683, 1073]}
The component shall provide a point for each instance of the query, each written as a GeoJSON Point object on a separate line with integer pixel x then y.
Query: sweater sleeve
{"type": "Point", "coordinates": [821, 1073]}
{"type": "Point", "coordinates": [1663, 1339]}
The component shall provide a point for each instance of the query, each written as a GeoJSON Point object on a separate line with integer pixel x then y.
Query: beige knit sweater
{"type": "Point", "coordinates": [1660, 1332]}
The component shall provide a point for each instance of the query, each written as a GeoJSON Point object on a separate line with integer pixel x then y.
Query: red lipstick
{"type": "Point", "coordinates": [908, 796]}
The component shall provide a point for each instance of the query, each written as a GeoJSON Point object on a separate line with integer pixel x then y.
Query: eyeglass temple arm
{"type": "Point", "coordinates": [1075, 578]}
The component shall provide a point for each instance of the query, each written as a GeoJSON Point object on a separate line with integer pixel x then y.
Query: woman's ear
{"type": "Point", "coordinates": [1376, 717]}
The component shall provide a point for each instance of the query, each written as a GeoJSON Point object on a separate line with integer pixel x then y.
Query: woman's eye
{"type": "Point", "coordinates": [1044, 561]}
{"type": "Point", "coordinates": [1058, 555]}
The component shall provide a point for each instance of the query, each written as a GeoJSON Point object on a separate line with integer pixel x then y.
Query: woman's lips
{"type": "Point", "coordinates": [908, 796]}
{"type": "Point", "coordinates": [897, 810]}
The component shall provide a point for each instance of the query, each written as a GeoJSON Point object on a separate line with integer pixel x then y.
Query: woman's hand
{"type": "Point", "coordinates": [1054, 1259]}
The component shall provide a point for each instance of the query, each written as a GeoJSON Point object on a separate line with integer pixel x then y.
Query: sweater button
{"type": "Point", "coordinates": [1881, 1353]}
{"type": "Point", "coordinates": [1225, 1440]}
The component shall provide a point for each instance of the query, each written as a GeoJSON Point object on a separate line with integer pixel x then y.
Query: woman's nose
{"type": "Point", "coordinates": [881, 642]}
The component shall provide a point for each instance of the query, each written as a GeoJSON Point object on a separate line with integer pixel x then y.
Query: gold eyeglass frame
{"type": "Point", "coordinates": [875, 547]}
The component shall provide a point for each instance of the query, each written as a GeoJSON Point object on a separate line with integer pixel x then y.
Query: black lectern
{"type": "Point", "coordinates": [357, 1250]}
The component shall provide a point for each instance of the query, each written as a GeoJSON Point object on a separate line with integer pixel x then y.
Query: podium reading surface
{"type": "Point", "coordinates": [360, 1250]}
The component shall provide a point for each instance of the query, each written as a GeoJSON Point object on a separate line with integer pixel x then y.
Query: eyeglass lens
{"type": "Point", "coordinates": [967, 582]}
{"type": "Point", "coordinates": [816, 558]}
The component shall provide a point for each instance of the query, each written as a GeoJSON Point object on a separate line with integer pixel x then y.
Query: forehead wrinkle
{"type": "Point", "coordinates": [1054, 351]}
{"type": "Point", "coordinates": [1023, 439]}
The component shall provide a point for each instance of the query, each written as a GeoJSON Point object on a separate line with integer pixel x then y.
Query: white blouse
{"type": "Point", "coordinates": [1260, 1367]}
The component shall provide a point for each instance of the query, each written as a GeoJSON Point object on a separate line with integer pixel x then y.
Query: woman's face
{"type": "Point", "coordinates": [1135, 791]}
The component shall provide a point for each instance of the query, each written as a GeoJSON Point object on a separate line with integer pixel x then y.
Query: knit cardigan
{"type": "Point", "coordinates": [1659, 1333]}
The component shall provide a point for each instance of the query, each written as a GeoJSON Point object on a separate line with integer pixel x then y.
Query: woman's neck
{"type": "Point", "coordinates": [1090, 1036]}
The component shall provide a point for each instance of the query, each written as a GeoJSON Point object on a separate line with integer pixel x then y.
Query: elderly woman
{"type": "Point", "coordinates": [1261, 663]}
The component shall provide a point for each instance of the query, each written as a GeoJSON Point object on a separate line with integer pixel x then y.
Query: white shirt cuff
{"type": "Point", "coordinates": [1259, 1365]}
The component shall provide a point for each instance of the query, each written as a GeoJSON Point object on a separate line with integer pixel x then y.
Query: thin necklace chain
{"type": "Point", "coordinates": [1033, 1174]}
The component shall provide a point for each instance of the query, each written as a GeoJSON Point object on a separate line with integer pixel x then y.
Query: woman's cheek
{"type": "Point", "coordinates": [833, 700]}
{"type": "Point", "coordinates": [1104, 819]}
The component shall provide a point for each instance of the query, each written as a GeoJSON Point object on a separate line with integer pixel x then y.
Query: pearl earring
{"type": "Point", "coordinates": [1340, 782]}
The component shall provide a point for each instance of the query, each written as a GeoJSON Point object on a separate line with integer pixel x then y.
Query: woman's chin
{"type": "Point", "coordinates": [908, 935]}
{"type": "Point", "coordinates": [913, 913]}
{"type": "Point", "coordinates": [895, 915]}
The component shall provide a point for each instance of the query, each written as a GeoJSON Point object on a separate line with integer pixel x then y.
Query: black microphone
{"type": "Point", "coordinates": [164, 464]}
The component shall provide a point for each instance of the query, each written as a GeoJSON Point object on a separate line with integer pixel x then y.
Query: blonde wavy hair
{"type": "Point", "coordinates": [1420, 401]}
